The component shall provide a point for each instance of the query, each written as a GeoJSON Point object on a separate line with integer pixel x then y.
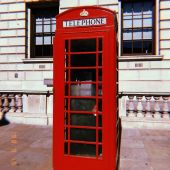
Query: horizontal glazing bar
{"type": "Point", "coordinates": [83, 142]}
{"type": "Point", "coordinates": [83, 127]}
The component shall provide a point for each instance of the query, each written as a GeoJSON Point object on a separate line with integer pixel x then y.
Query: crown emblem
{"type": "Point", "coordinates": [84, 13]}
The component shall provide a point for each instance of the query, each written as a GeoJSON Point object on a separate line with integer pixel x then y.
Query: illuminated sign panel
{"type": "Point", "coordinates": [85, 22]}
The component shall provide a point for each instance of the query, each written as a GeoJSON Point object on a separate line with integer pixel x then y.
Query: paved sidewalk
{"type": "Point", "coordinates": [145, 149]}
{"type": "Point", "coordinates": [27, 147]}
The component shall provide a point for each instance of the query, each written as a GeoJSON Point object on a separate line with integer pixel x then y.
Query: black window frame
{"type": "Point", "coordinates": [132, 53]}
{"type": "Point", "coordinates": [51, 10]}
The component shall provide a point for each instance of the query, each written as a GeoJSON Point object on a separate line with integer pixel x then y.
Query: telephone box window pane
{"type": "Point", "coordinates": [66, 133]}
{"type": "Point", "coordinates": [100, 59]}
{"type": "Point", "coordinates": [100, 151]}
{"type": "Point", "coordinates": [83, 119]}
{"type": "Point", "coordinates": [66, 118]}
{"type": "Point", "coordinates": [65, 148]}
{"type": "Point", "coordinates": [83, 75]}
{"type": "Point", "coordinates": [100, 135]}
{"type": "Point", "coordinates": [100, 44]}
{"type": "Point", "coordinates": [100, 107]}
{"type": "Point", "coordinates": [83, 60]}
{"type": "Point", "coordinates": [83, 90]}
{"type": "Point", "coordinates": [83, 45]}
{"type": "Point", "coordinates": [83, 104]}
{"type": "Point", "coordinates": [83, 149]}
{"type": "Point", "coordinates": [100, 120]}
{"type": "Point", "coordinates": [66, 45]}
{"type": "Point", "coordinates": [66, 104]}
{"type": "Point", "coordinates": [88, 135]}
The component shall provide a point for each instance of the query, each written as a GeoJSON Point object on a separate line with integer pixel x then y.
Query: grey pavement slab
{"type": "Point", "coordinates": [28, 147]}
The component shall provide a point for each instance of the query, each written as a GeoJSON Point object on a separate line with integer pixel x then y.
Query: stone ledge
{"type": "Point", "coordinates": [146, 123]}
{"type": "Point", "coordinates": [29, 118]}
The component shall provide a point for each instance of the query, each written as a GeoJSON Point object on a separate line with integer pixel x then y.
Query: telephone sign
{"type": "Point", "coordinates": [86, 127]}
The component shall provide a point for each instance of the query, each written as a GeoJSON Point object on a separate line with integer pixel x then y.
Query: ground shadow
{"type": "Point", "coordinates": [3, 121]}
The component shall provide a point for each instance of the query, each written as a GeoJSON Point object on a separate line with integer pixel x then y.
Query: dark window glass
{"type": "Point", "coordinates": [137, 27]}
{"type": "Point", "coordinates": [43, 28]}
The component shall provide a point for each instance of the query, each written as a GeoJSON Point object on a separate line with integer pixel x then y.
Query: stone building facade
{"type": "Point", "coordinates": [26, 31]}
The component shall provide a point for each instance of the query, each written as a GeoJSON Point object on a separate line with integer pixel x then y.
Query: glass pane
{"type": "Point", "coordinates": [137, 23]}
{"type": "Point", "coordinates": [100, 92]}
{"type": "Point", "coordinates": [53, 28]}
{"type": "Point", "coordinates": [100, 106]}
{"type": "Point", "coordinates": [147, 47]}
{"type": "Point", "coordinates": [100, 44]}
{"type": "Point", "coordinates": [47, 28]}
{"type": "Point", "coordinates": [147, 22]}
{"type": "Point", "coordinates": [83, 45]}
{"type": "Point", "coordinates": [83, 90]}
{"type": "Point", "coordinates": [38, 28]}
{"type": "Point", "coordinates": [39, 40]}
{"type": "Point", "coordinates": [127, 47]}
{"type": "Point", "coordinates": [83, 104]}
{"type": "Point", "coordinates": [47, 50]}
{"type": "Point", "coordinates": [83, 135]}
{"type": "Point", "coordinates": [147, 7]}
{"type": "Point", "coordinates": [46, 20]}
{"type": "Point", "coordinates": [65, 148]}
{"type": "Point", "coordinates": [137, 8]}
{"type": "Point", "coordinates": [83, 75]}
{"type": "Point", "coordinates": [137, 46]}
{"type": "Point", "coordinates": [147, 34]}
{"type": "Point", "coordinates": [82, 149]}
{"type": "Point", "coordinates": [127, 8]}
{"type": "Point", "coordinates": [100, 63]}
{"type": "Point", "coordinates": [127, 35]}
{"type": "Point", "coordinates": [83, 119]}
{"type": "Point", "coordinates": [137, 34]}
{"type": "Point", "coordinates": [100, 120]}
{"type": "Point", "coordinates": [47, 39]}
{"type": "Point", "coordinates": [100, 151]}
{"type": "Point", "coordinates": [81, 60]}
{"type": "Point", "coordinates": [100, 135]}
{"type": "Point", "coordinates": [127, 24]}
{"type": "Point", "coordinates": [38, 50]}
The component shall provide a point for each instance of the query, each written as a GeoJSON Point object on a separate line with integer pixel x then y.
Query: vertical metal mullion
{"type": "Point", "coordinates": [97, 109]}
{"type": "Point", "coordinates": [69, 94]}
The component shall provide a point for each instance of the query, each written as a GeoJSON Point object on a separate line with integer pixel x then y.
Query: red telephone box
{"type": "Point", "coordinates": [85, 87]}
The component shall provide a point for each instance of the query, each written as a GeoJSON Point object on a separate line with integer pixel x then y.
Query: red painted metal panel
{"type": "Point", "coordinates": [85, 120]}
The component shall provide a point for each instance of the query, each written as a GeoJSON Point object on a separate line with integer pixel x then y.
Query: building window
{"type": "Point", "coordinates": [137, 27]}
{"type": "Point", "coordinates": [43, 25]}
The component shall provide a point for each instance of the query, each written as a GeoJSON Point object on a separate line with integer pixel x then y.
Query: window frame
{"type": "Point", "coordinates": [33, 6]}
{"type": "Point", "coordinates": [153, 30]}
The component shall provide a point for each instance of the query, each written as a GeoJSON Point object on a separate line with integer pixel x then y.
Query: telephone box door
{"type": "Point", "coordinates": [84, 86]}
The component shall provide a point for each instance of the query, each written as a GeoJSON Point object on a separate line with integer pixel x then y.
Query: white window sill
{"type": "Point", "coordinates": [140, 58]}
{"type": "Point", "coordinates": [38, 60]}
